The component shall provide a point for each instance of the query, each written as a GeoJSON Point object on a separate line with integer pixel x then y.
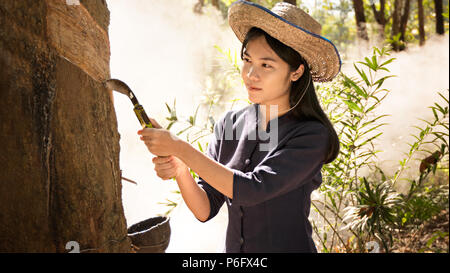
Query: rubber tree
{"type": "Point", "coordinates": [60, 182]}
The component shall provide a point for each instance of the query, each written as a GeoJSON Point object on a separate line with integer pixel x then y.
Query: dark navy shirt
{"type": "Point", "coordinates": [272, 184]}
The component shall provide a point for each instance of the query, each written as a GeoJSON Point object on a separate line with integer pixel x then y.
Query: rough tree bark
{"type": "Point", "coordinates": [399, 22]}
{"type": "Point", "coordinates": [198, 7]}
{"type": "Point", "coordinates": [360, 17]}
{"type": "Point", "coordinates": [60, 176]}
{"type": "Point", "coordinates": [421, 23]}
{"type": "Point", "coordinates": [215, 3]}
{"type": "Point", "coordinates": [439, 17]}
{"type": "Point", "coordinates": [404, 20]}
{"type": "Point", "coordinates": [380, 18]}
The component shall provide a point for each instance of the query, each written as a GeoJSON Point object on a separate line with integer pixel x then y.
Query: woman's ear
{"type": "Point", "coordinates": [298, 73]}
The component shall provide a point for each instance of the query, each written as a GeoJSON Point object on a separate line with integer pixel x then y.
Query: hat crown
{"type": "Point", "coordinates": [293, 27]}
{"type": "Point", "coordinates": [297, 16]}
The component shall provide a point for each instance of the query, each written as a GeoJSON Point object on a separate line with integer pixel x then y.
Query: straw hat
{"type": "Point", "coordinates": [293, 27]}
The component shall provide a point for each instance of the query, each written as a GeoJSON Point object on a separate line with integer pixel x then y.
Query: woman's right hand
{"type": "Point", "coordinates": [168, 167]}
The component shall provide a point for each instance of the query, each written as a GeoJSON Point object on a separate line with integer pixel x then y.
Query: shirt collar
{"type": "Point", "coordinates": [255, 118]}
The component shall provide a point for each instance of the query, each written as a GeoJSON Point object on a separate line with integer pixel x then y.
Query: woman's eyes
{"type": "Point", "coordinates": [263, 65]}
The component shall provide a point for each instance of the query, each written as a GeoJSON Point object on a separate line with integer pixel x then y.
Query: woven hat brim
{"type": "Point", "coordinates": [320, 53]}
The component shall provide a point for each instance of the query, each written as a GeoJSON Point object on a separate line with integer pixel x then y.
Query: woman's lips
{"type": "Point", "coordinates": [254, 89]}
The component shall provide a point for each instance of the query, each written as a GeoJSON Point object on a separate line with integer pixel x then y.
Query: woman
{"type": "Point", "coordinates": [266, 188]}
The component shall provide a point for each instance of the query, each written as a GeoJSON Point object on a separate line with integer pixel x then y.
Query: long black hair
{"type": "Point", "coordinates": [309, 107]}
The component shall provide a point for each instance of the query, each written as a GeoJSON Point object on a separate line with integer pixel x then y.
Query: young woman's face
{"type": "Point", "coordinates": [267, 77]}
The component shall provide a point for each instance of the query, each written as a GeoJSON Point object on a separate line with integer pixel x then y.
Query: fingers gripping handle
{"type": "Point", "coordinates": [142, 116]}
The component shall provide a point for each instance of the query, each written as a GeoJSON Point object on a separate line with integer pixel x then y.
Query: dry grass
{"type": "Point", "coordinates": [430, 237]}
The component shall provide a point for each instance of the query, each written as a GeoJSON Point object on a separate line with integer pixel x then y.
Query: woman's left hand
{"type": "Point", "coordinates": [159, 141]}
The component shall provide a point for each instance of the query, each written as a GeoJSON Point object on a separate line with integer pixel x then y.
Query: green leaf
{"type": "Point", "coordinates": [374, 61]}
{"type": "Point", "coordinates": [168, 108]}
{"type": "Point", "coordinates": [350, 126]}
{"type": "Point", "coordinates": [384, 68]}
{"type": "Point", "coordinates": [426, 121]}
{"type": "Point", "coordinates": [370, 139]}
{"type": "Point", "coordinates": [195, 115]}
{"type": "Point", "coordinates": [182, 131]}
{"type": "Point", "coordinates": [353, 106]}
{"type": "Point", "coordinates": [362, 74]}
{"type": "Point", "coordinates": [380, 81]}
{"type": "Point", "coordinates": [373, 128]}
{"type": "Point", "coordinates": [387, 62]}
{"type": "Point", "coordinates": [440, 135]}
{"type": "Point", "coordinates": [348, 136]}
{"type": "Point", "coordinates": [200, 147]}
{"type": "Point", "coordinates": [366, 64]}
{"type": "Point", "coordinates": [371, 64]}
{"type": "Point", "coordinates": [434, 113]}
{"type": "Point", "coordinates": [446, 100]}
{"type": "Point", "coordinates": [375, 50]}
{"type": "Point", "coordinates": [358, 90]}
{"type": "Point", "coordinates": [417, 127]}
{"type": "Point", "coordinates": [440, 108]}
{"type": "Point", "coordinates": [373, 120]}
{"type": "Point", "coordinates": [170, 125]}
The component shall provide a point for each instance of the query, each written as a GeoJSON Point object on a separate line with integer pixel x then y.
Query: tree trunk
{"type": "Point", "coordinates": [421, 23]}
{"type": "Point", "coordinates": [198, 7]}
{"type": "Point", "coordinates": [439, 17]}
{"type": "Point", "coordinates": [215, 3]}
{"type": "Point", "coordinates": [380, 18]}
{"type": "Point", "coordinates": [60, 174]}
{"type": "Point", "coordinates": [404, 19]}
{"type": "Point", "coordinates": [399, 23]}
{"type": "Point", "coordinates": [358, 5]}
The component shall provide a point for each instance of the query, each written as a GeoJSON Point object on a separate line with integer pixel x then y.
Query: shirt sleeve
{"type": "Point", "coordinates": [216, 198]}
{"type": "Point", "coordinates": [283, 170]}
